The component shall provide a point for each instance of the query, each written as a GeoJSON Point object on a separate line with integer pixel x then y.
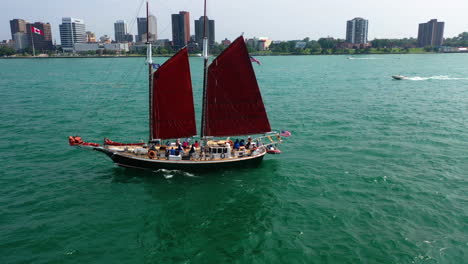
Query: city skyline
{"type": "Point", "coordinates": [261, 18]}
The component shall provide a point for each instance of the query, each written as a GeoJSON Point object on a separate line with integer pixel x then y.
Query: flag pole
{"type": "Point", "coordinates": [32, 39]}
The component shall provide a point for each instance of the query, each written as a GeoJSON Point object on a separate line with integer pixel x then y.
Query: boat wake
{"type": "Point", "coordinates": [169, 174]}
{"type": "Point", "coordinates": [439, 77]}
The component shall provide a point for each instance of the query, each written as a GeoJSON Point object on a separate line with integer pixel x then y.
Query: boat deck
{"type": "Point", "coordinates": [142, 153]}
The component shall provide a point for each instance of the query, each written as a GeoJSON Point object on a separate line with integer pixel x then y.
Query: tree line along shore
{"type": "Point", "coordinates": [323, 46]}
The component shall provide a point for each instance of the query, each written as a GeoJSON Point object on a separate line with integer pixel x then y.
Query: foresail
{"type": "Point", "coordinates": [173, 110]}
{"type": "Point", "coordinates": [234, 105]}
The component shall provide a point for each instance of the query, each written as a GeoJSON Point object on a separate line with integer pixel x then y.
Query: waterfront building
{"type": "Point", "coordinates": [90, 37]}
{"type": "Point", "coordinates": [210, 31]}
{"type": "Point", "coordinates": [163, 43]}
{"type": "Point", "coordinates": [356, 30]}
{"type": "Point", "coordinates": [105, 39]}
{"type": "Point", "coordinates": [153, 29]}
{"type": "Point", "coordinates": [263, 43]}
{"type": "Point", "coordinates": [84, 47]}
{"type": "Point", "coordinates": [41, 42]}
{"type": "Point", "coordinates": [431, 33]}
{"type": "Point", "coordinates": [128, 38]}
{"type": "Point", "coordinates": [21, 41]}
{"type": "Point", "coordinates": [180, 29]}
{"type": "Point", "coordinates": [72, 30]}
{"type": "Point", "coordinates": [226, 42]}
{"type": "Point", "coordinates": [300, 45]}
{"type": "Point", "coordinates": [17, 25]}
{"type": "Point", "coordinates": [120, 30]}
{"type": "Point", "coordinates": [118, 47]}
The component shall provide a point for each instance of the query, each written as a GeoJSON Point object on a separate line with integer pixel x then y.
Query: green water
{"type": "Point", "coordinates": [375, 172]}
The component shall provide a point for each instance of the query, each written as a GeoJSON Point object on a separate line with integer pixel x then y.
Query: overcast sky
{"type": "Point", "coordinates": [278, 20]}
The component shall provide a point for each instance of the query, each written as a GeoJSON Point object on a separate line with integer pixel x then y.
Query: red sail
{"type": "Point", "coordinates": [234, 104]}
{"type": "Point", "coordinates": [173, 111]}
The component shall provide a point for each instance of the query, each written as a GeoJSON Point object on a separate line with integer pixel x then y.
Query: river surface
{"type": "Point", "coordinates": [376, 170]}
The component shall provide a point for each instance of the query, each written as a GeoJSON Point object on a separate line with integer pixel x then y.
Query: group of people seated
{"type": "Point", "coordinates": [177, 148]}
{"type": "Point", "coordinates": [185, 149]}
{"type": "Point", "coordinates": [242, 145]}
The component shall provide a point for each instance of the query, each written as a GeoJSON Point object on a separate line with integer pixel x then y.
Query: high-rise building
{"type": "Point", "coordinates": [180, 29]}
{"type": "Point", "coordinates": [90, 37]}
{"type": "Point", "coordinates": [21, 41]}
{"type": "Point", "coordinates": [120, 29]}
{"type": "Point", "coordinates": [41, 42]}
{"type": "Point", "coordinates": [153, 29]}
{"type": "Point", "coordinates": [356, 31]}
{"type": "Point", "coordinates": [431, 33]}
{"type": "Point", "coordinates": [17, 25]}
{"type": "Point", "coordinates": [72, 31]}
{"type": "Point", "coordinates": [210, 31]}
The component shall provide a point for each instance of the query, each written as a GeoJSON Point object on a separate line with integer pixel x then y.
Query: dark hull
{"type": "Point", "coordinates": [147, 164]}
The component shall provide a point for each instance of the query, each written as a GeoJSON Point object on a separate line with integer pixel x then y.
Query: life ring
{"type": "Point", "coordinates": [231, 143]}
{"type": "Point", "coordinates": [151, 154]}
{"type": "Point", "coordinates": [223, 156]}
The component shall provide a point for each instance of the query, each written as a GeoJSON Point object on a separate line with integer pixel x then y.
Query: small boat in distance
{"type": "Point", "coordinates": [398, 77]}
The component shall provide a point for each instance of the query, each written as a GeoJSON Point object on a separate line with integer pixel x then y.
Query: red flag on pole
{"type": "Point", "coordinates": [35, 30]}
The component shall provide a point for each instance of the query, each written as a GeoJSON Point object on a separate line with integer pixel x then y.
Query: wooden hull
{"type": "Point", "coordinates": [188, 165]}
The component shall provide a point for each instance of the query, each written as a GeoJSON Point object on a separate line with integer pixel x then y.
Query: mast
{"type": "Point", "coordinates": [205, 74]}
{"type": "Point", "coordinates": [149, 60]}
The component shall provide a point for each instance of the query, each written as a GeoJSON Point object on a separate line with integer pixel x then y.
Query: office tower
{"type": "Point", "coordinates": [41, 42]}
{"type": "Point", "coordinates": [180, 29]}
{"type": "Point", "coordinates": [153, 29]}
{"type": "Point", "coordinates": [17, 25]}
{"type": "Point", "coordinates": [210, 31]}
{"type": "Point", "coordinates": [21, 41]}
{"type": "Point", "coordinates": [72, 31]}
{"type": "Point", "coordinates": [120, 30]}
{"type": "Point", "coordinates": [128, 38]}
{"type": "Point", "coordinates": [356, 31]}
{"type": "Point", "coordinates": [431, 33]}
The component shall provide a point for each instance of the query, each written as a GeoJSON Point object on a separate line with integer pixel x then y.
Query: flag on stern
{"type": "Point", "coordinates": [252, 59]}
{"type": "Point", "coordinates": [35, 30]}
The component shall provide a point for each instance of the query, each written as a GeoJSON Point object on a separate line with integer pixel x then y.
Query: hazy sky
{"type": "Point", "coordinates": [278, 20]}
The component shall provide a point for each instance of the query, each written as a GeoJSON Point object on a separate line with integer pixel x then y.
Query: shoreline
{"type": "Point", "coordinates": [253, 54]}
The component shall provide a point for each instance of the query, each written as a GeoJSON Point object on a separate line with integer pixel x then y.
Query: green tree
{"type": "Point", "coordinates": [6, 51]}
{"type": "Point", "coordinates": [327, 43]}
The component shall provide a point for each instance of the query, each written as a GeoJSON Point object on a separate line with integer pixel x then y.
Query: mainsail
{"type": "Point", "coordinates": [172, 104]}
{"type": "Point", "coordinates": [234, 105]}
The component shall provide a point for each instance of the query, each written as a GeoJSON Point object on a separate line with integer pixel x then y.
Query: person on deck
{"type": "Point", "coordinates": [172, 151]}
{"type": "Point", "coordinates": [236, 144]}
{"type": "Point", "coordinates": [242, 143]}
{"type": "Point", "coordinates": [192, 150]}
{"type": "Point", "coordinates": [179, 150]}
{"type": "Point", "coordinates": [185, 144]}
{"type": "Point", "coordinates": [196, 143]}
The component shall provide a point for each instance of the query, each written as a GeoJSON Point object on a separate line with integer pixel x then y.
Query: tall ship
{"type": "Point", "coordinates": [232, 107]}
